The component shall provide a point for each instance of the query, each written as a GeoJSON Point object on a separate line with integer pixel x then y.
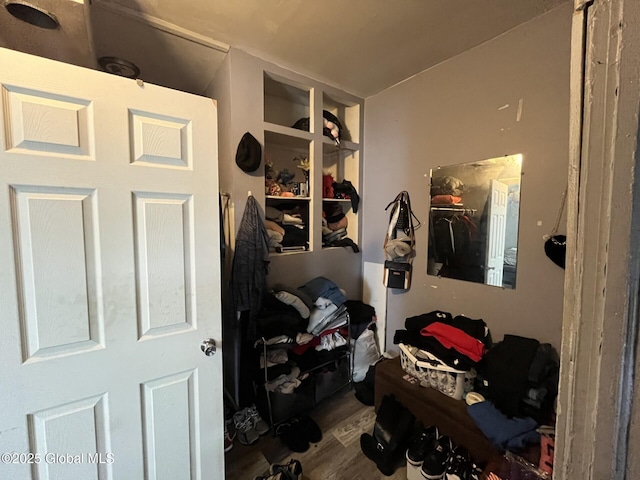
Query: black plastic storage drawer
{"type": "Point", "coordinates": [287, 405]}
{"type": "Point", "coordinates": [331, 379]}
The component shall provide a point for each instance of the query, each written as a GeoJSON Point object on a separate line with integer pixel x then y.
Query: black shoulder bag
{"type": "Point", "coordinates": [555, 246]}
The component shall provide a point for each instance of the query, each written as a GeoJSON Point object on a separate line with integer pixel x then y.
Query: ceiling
{"type": "Point", "coordinates": [361, 46]}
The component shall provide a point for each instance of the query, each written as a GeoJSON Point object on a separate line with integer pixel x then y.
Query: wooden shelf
{"type": "Point", "coordinates": [291, 252]}
{"type": "Point", "coordinates": [288, 132]}
{"type": "Point", "coordinates": [330, 145]}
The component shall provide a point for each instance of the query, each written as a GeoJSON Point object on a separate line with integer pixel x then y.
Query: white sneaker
{"type": "Point", "coordinates": [259, 424]}
{"type": "Point", "coordinates": [228, 440]}
{"type": "Point", "coordinates": [245, 431]}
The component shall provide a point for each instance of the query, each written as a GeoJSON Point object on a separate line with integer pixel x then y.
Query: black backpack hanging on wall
{"type": "Point", "coordinates": [399, 243]}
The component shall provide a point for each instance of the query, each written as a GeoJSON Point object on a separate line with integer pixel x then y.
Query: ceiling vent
{"type": "Point", "coordinates": [32, 15]}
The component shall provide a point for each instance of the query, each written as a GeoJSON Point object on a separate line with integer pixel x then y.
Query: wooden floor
{"type": "Point", "coordinates": [342, 420]}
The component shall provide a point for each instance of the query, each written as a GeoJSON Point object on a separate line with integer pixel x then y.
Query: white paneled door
{"type": "Point", "coordinates": [497, 228]}
{"type": "Point", "coordinates": [109, 278]}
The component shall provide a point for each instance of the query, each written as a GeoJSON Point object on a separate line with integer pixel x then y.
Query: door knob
{"type": "Point", "coordinates": [208, 347]}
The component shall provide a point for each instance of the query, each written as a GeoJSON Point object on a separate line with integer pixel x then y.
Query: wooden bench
{"type": "Point", "coordinates": [433, 408]}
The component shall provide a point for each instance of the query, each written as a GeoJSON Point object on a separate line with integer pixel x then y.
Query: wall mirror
{"type": "Point", "coordinates": [473, 221]}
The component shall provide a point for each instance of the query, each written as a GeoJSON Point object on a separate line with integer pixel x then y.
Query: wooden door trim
{"type": "Point", "coordinates": [601, 286]}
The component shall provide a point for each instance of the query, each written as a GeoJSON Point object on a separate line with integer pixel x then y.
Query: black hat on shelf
{"type": "Point", "coordinates": [249, 153]}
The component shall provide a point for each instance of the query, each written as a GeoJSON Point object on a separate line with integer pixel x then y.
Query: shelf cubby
{"type": "Point", "coordinates": [285, 102]}
{"type": "Point", "coordinates": [349, 115]}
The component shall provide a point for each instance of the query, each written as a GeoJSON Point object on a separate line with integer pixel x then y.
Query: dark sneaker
{"type": "Point", "coordinates": [421, 444]}
{"type": "Point", "coordinates": [293, 437]}
{"type": "Point", "coordinates": [474, 473]}
{"type": "Point", "coordinates": [435, 461]}
{"type": "Point", "coordinates": [310, 429]}
{"type": "Point", "coordinates": [459, 465]}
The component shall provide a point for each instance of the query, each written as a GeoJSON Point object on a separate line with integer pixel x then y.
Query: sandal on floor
{"type": "Point", "coordinates": [292, 470]}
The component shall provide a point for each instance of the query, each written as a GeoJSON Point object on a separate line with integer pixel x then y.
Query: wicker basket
{"type": "Point", "coordinates": [434, 373]}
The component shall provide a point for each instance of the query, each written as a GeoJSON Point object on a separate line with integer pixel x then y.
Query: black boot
{"type": "Point", "coordinates": [391, 432]}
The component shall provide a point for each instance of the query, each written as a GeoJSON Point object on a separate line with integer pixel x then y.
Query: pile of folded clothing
{"type": "Point", "coordinates": [285, 227]}
{"type": "Point", "coordinates": [334, 227]}
{"type": "Point", "coordinates": [517, 384]}
{"type": "Point", "coordinates": [460, 342]}
{"type": "Point", "coordinates": [520, 376]}
{"type": "Point", "coordinates": [328, 322]}
{"type": "Point", "coordinates": [300, 328]}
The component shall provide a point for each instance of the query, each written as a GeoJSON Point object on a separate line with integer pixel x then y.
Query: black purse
{"type": "Point", "coordinates": [397, 275]}
{"type": "Point", "coordinates": [555, 246]}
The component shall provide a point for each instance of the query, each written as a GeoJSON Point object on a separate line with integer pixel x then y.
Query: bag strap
{"type": "Point", "coordinates": [411, 214]}
{"type": "Point", "coordinates": [402, 197]}
{"type": "Point", "coordinates": [562, 202]}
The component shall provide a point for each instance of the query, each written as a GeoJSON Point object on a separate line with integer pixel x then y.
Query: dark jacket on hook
{"type": "Point", "coordinates": [250, 263]}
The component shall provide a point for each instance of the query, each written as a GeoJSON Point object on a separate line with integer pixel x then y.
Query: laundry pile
{"type": "Point", "coordinates": [300, 328]}
{"type": "Point", "coordinates": [286, 227]}
{"type": "Point", "coordinates": [516, 379]}
{"type": "Point", "coordinates": [460, 342]}
{"type": "Point", "coordinates": [520, 376]}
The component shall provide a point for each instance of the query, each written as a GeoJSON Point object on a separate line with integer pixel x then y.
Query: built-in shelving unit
{"type": "Point", "coordinates": [288, 102]}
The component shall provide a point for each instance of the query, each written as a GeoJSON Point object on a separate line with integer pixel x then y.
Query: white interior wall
{"type": "Point", "coordinates": [507, 96]}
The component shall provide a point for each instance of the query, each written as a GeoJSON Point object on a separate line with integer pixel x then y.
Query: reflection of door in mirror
{"type": "Point", "coordinates": [473, 221]}
{"type": "Point", "coordinates": [496, 231]}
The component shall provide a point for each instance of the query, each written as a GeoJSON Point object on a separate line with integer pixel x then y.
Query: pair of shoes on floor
{"type": "Point", "coordinates": [249, 425]}
{"type": "Point", "coordinates": [289, 471]}
{"type": "Point", "coordinates": [421, 444]}
{"type": "Point", "coordinates": [461, 467]}
{"type": "Point", "coordinates": [438, 457]}
{"type": "Point", "coordinates": [434, 465]}
{"type": "Point", "coordinates": [299, 433]}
